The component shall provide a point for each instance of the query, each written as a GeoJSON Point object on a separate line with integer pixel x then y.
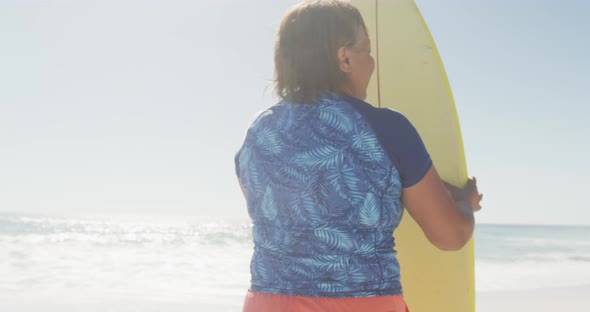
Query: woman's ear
{"type": "Point", "coordinates": [343, 59]}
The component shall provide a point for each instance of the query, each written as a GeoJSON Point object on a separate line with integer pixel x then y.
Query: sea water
{"type": "Point", "coordinates": [518, 257]}
{"type": "Point", "coordinates": [206, 261]}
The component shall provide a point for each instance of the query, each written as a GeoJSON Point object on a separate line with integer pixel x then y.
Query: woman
{"type": "Point", "coordinates": [326, 176]}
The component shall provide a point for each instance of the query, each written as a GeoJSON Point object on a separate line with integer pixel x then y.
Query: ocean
{"type": "Point", "coordinates": [205, 261]}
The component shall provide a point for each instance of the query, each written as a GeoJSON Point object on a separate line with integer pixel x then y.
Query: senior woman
{"type": "Point", "coordinates": [326, 176]}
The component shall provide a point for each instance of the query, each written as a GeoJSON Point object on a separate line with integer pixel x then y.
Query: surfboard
{"type": "Point", "coordinates": [409, 77]}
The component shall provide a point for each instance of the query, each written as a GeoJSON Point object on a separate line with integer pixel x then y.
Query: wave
{"type": "Point", "coordinates": [104, 232]}
{"type": "Point", "coordinates": [181, 251]}
{"type": "Point", "coordinates": [580, 258]}
{"type": "Point", "coordinates": [493, 243]}
{"type": "Point", "coordinates": [530, 274]}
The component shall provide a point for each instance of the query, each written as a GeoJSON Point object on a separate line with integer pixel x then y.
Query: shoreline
{"type": "Point", "coordinates": [569, 298]}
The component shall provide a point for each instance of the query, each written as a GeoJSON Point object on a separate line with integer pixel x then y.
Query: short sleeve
{"type": "Point", "coordinates": [400, 140]}
{"type": "Point", "coordinates": [412, 156]}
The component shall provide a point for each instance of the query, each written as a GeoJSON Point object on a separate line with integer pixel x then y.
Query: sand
{"type": "Point", "coordinates": [569, 299]}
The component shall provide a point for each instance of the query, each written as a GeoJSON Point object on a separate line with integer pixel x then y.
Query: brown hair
{"type": "Point", "coordinates": [306, 63]}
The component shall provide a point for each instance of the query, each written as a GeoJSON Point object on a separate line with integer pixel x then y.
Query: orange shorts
{"type": "Point", "coordinates": [267, 302]}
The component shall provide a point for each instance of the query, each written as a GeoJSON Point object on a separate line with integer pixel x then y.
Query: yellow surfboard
{"type": "Point", "coordinates": [409, 77]}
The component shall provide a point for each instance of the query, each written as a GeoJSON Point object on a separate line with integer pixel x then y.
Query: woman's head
{"type": "Point", "coordinates": [322, 46]}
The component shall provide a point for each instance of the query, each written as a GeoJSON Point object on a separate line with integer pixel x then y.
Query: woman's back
{"type": "Point", "coordinates": [324, 199]}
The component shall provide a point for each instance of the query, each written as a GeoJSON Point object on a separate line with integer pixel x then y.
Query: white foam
{"type": "Point", "coordinates": [529, 274]}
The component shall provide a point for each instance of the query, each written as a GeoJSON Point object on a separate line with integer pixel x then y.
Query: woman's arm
{"type": "Point", "coordinates": [443, 212]}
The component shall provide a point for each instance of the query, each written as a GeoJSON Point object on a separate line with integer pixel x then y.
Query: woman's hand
{"type": "Point", "coordinates": [446, 222]}
{"type": "Point", "coordinates": [469, 194]}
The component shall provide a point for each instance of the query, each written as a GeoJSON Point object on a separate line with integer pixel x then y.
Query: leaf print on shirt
{"type": "Point", "coordinates": [266, 238]}
{"type": "Point", "coordinates": [298, 140]}
{"type": "Point", "coordinates": [366, 248]}
{"type": "Point", "coordinates": [253, 173]}
{"type": "Point", "coordinates": [324, 262]}
{"type": "Point", "coordinates": [369, 264]}
{"type": "Point", "coordinates": [268, 139]}
{"type": "Point", "coordinates": [320, 189]}
{"type": "Point", "coordinates": [269, 205]}
{"type": "Point", "coordinates": [302, 271]}
{"type": "Point", "coordinates": [331, 287]}
{"type": "Point", "coordinates": [355, 274]}
{"type": "Point", "coordinates": [335, 238]}
{"type": "Point", "coordinates": [336, 117]}
{"type": "Point", "coordinates": [302, 208]}
{"type": "Point", "coordinates": [346, 184]}
{"type": "Point", "coordinates": [367, 147]}
{"type": "Point", "coordinates": [369, 212]}
{"type": "Point", "coordinates": [325, 156]}
{"type": "Point", "coordinates": [285, 174]}
{"type": "Point", "coordinates": [259, 270]}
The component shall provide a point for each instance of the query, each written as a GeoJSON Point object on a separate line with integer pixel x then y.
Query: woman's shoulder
{"type": "Point", "coordinates": [380, 118]}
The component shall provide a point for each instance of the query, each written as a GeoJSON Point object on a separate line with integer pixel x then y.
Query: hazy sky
{"type": "Point", "coordinates": [139, 106]}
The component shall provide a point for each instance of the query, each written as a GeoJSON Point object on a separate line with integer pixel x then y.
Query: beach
{"type": "Point", "coordinates": [137, 264]}
{"type": "Point", "coordinates": [538, 300]}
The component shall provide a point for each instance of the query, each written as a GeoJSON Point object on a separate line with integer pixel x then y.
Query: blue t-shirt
{"type": "Point", "coordinates": [399, 138]}
{"type": "Point", "coordinates": [323, 187]}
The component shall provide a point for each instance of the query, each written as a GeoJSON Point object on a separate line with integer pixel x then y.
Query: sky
{"type": "Point", "coordinates": [138, 107]}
